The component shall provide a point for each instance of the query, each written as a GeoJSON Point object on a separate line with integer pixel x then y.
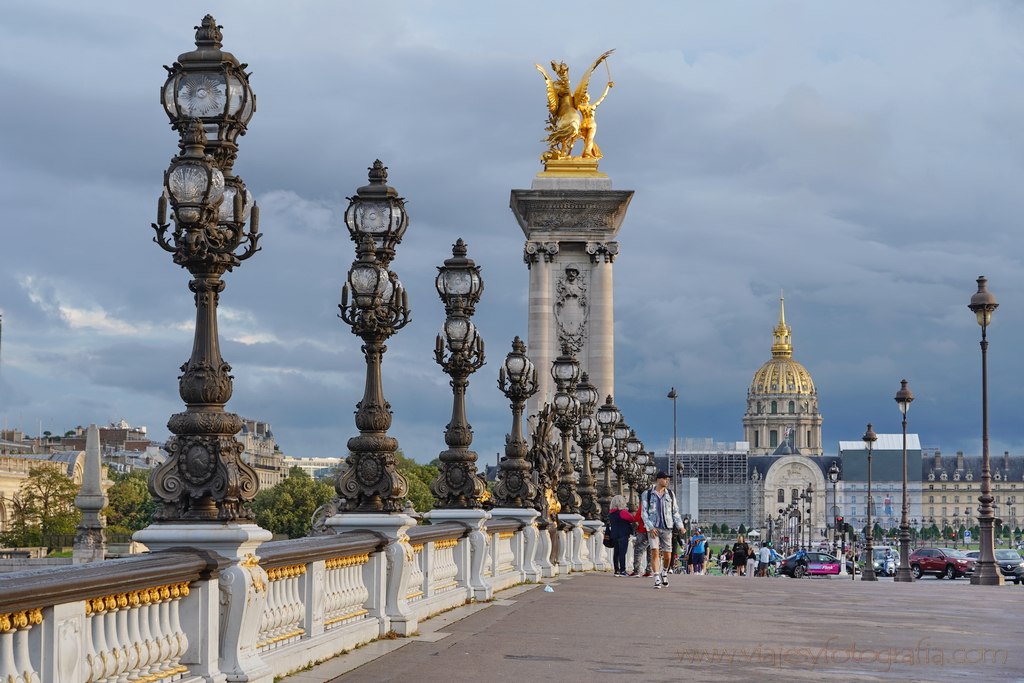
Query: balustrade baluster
{"type": "Point", "coordinates": [168, 643]}
{"type": "Point", "coordinates": [8, 669]}
{"type": "Point", "coordinates": [178, 591]}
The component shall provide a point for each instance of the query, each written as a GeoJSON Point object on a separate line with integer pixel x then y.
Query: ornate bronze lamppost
{"type": "Point", "coordinates": [209, 102]}
{"type": "Point", "coordinates": [460, 353]}
{"type": "Point", "coordinates": [587, 438]}
{"type": "Point", "coordinates": [636, 455]}
{"type": "Point", "coordinates": [517, 379]}
{"type": "Point", "coordinates": [903, 398]}
{"type": "Point", "coordinates": [620, 434]}
{"type": "Point", "coordinates": [833, 477]}
{"type": "Point", "coordinates": [868, 571]}
{"type": "Point", "coordinates": [565, 370]}
{"type": "Point", "coordinates": [375, 305]}
{"type": "Point", "coordinates": [607, 417]}
{"type": "Point", "coordinates": [808, 498]}
{"type": "Point", "coordinates": [983, 304]}
{"type": "Point", "coordinates": [649, 471]}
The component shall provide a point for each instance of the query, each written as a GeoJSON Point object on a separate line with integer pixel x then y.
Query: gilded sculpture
{"type": "Point", "coordinates": [571, 114]}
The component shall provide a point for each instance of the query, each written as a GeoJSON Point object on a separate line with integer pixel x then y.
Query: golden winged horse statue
{"type": "Point", "coordinates": [571, 115]}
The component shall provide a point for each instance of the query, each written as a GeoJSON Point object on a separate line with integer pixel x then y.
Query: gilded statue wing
{"type": "Point", "coordinates": [581, 89]}
{"type": "Point", "coordinates": [552, 98]}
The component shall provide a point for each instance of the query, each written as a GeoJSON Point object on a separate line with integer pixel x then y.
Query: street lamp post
{"type": "Point", "coordinates": [209, 103]}
{"type": "Point", "coordinates": [375, 305]}
{"type": "Point", "coordinates": [675, 452]}
{"type": "Point", "coordinates": [460, 353]}
{"type": "Point", "coordinates": [517, 379]}
{"type": "Point", "coordinates": [903, 398]}
{"type": "Point", "coordinates": [565, 370]}
{"type": "Point", "coordinates": [607, 418]}
{"type": "Point", "coordinates": [983, 304]}
{"type": "Point", "coordinates": [805, 519]}
{"type": "Point", "coordinates": [515, 493]}
{"type": "Point", "coordinates": [834, 472]}
{"type": "Point", "coordinates": [810, 518]}
{"type": "Point", "coordinates": [620, 434]}
{"type": "Point", "coordinates": [956, 527]}
{"type": "Point", "coordinates": [868, 572]}
{"type": "Point", "coordinates": [586, 437]}
{"type": "Point", "coordinates": [833, 478]}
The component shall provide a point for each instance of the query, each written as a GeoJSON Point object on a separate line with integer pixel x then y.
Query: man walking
{"type": "Point", "coordinates": [660, 514]}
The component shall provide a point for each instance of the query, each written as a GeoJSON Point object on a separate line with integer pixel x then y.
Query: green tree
{"type": "Point", "coordinates": [288, 507]}
{"type": "Point", "coordinates": [22, 531]}
{"type": "Point", "coordinates": [743, 528]}
{"type": "Point", "coordinates": [130, 506]}
{"type": "Point", "coordinates": [419, 478]}
{"type": "Point", "coordinates": [44, 508]}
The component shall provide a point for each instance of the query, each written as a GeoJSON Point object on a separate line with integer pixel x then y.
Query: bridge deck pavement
{"type": "Point", "coordinates": [596, 627]}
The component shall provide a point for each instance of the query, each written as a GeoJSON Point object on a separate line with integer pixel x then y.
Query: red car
{"type": "Point", "coordinates": [942, 562]}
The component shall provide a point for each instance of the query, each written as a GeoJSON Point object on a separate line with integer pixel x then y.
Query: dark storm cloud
{"type": "Point", "coordinates": [865, 159]}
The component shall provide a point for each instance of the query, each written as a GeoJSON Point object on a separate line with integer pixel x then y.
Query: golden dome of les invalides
{"type": "Point", "coordinates": [782, 374]}
{"type": "Point", "coordinates": [782, 400]}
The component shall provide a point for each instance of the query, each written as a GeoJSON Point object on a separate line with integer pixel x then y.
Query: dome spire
{"type": "Point", "coordinates": [782, 343]}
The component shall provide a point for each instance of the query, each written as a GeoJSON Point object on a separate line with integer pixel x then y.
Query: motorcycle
{"type": "Point", "coordinates": [888, 566]}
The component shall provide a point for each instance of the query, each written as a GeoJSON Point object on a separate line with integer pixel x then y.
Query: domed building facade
{"type": "Point", "coordinates": [782, 415]}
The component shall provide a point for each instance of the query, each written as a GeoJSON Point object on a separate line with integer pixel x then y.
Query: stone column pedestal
{"type": "Point", "coordinates": [528, 546]}
{"type": "Point", "coordinates": [479, 587]}
{"type": "Point", "coordinates": [542, 558]}
{"type": "Point", "coordinates": [397, 615]}
{"type": "Point", "coordinates": [572, 540]}
{"type": "Point", "coordinates": [243, 595]}
{"type": "Point", "coordinates": [598, 553]}
{"type": "Point", "coordinates": [570, 219]}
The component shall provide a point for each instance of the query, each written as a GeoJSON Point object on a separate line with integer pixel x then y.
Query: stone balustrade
{"type": "Point", "coordinates": [112, 621]}
{"type": "Point", "coordinates": [158, 617]}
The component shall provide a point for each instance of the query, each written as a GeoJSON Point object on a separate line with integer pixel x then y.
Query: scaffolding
{"type": "Point", "coordinates": [724, 489]}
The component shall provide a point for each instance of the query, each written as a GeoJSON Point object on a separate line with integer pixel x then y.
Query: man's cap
{"type": "Point", "coordinates": [662, 475]}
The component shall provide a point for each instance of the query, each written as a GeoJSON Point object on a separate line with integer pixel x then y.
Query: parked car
{"type": "Point", "coordinates": [1010, 563]}
{"type": "Point", "coordinates": [809, 563]}
{"type": "Point", "coordinates": [942, 562]}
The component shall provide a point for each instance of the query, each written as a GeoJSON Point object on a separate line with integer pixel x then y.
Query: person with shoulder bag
{"type": "Point", "coordinates": [620, 528]}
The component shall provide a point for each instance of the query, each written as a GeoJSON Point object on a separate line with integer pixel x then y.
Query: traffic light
{"type": "Point", "coordinates": [839, 522]}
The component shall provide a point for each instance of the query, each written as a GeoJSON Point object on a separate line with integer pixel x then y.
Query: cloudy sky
{"type": "Point", "coordinates": [864, 157]}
